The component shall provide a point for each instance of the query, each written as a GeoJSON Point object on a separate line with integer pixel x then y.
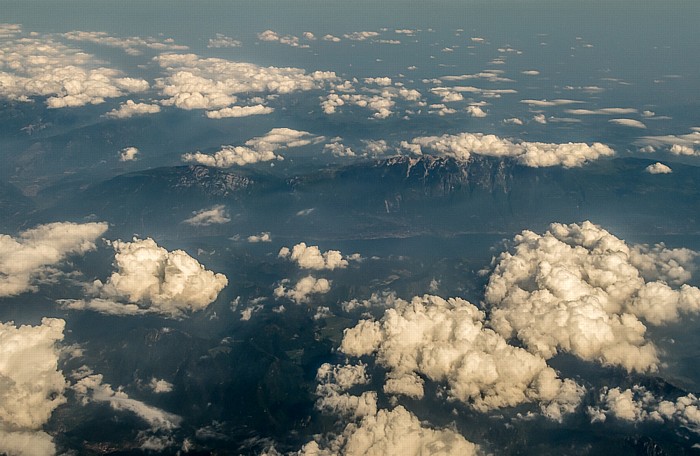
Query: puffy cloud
{"type": "Point", "coordinates": [680, 149]}
{"type": "Point", "coordinates": [476, 111]}
{"type": "Point", "coordinates": [240, 111]}
{"type": "Point", "coordinates": [579, 289]}
{"type": "Point", "coordinates": [290, 40]}
{"type": "Point", "coordinates": [91, 389]}
{"type": "Point", "coordinates": [533, 154]}
{"type": "Point", "coordinates": [24, 258]}
{"type": "Point", "coordinates": [214, 84]}
{"type": "Point", "coordinates": [446, 341]}
{"type": "Point", "coordinates": [229, 156]}
{"type": "Point", "coordinates": [334, 381]}
{"type": "Point", "coordinates": [128, 154]}
{"type": "Point", "coordinates": [32, 385]}
{"type": "Point", "coordinates": [513, 120]}
{"type": "Point", "coordinates": [637, 404]}
{"type": "Point", "coordinates": [311, 257]}
{"type": "Point", "coordinates": [256, 150]}
{"type": "Point", "coordinates": [223, 41]}
{"type": "Point", "coordinates": [262, 237]}
{"type": "Point", "coordinates": [601, 111]}
{"type": "Point", "coordinates": [303, 289]}
{"type": "Point", "coordinates": [382, 81]}
{"type": "Point", "coordinates": [68, 77]}
{"type": "Point", "coordinates": [160, 386]}
{"type": "Point", "coordinates": [338, 149]}
{"type": "Point", "coordinates": [148, 278]}
{"type": "Point", "coordinates": [381, 101]}
{"type": "Point", "coordinates": [658, 168]}
{"type": "Point", "coordinates": [10, 30]}
{"type": "Point", "coordinates": [678, 144]}
{"type": "Point", "coordinates": [213, 216]}
{"type": "Point", "coordinates": [131, 109]}
{"type": "Point", "coordinates": [331, 38]}
{"type": "Point", "coordinates": [633, 123]}
{"type": "Point", "coordinates": [530, 72]}
{"type": "Point", "coordinates": [360, 36]}
{"type": "Point", "coordinates": [394, 432]}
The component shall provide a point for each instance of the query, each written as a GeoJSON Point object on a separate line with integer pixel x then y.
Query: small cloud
{"type": "Point", "coordinates": [128, 154]}
{"type": "Point", "coordinates": [628, 123]}
{"type": "Point", "coordinates": [214, 216]}
{"type": "Point", "coordinates": [658, 168]}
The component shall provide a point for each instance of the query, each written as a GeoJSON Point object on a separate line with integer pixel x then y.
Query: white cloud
{"type": "Point", "coordinates": [333, 384]}
{"type": "Point", "coordinates": [530, 72]}
{"type": "Point", "coordinates": [213, 216]}
{"type": "Point", "coordinates": [680, 149]}
{"type": "Point", "coordinates": [256, 150]}
{"type": "Point", "coordinates": [579, 289]}
{"type": "Point", "coordinates": [331, 38]}
{"type": "Point", "coordinates": [311, 257]}
{"type": "Point", "coordinates": [338, 149]}
{"type": "Point", "coordinates": [476, 111]}
{"type": "Point", "coordinates": [360, 36]}
{"type": "Point", "coordinates": [488, 75]}
{"type": "Point", "coordinates": [513, 121]}
{"type": "Point", "coordinates": [160, 386]}
{"type": "Point", "coordinates": [32, 385]}
{"type": "Point", "coordinates": [24, 258]}
{"type": "Point", "coordinates": [380, 81]}
{"type": "Point", "coordinates": [303, 289]}
{"type": "Point", "coordinates": [658, 168]}
{"type": "Point", "coordinates": [42, 67]}
{"type": "Point", "coordinates": [633, 123]}
{"type": "Point", "coordinates": [533, 154]}
{"type": "Point", "coordinates": [548, 103]}
{"type": "Point", "coordinates": [223, 41]}
{"type": "Point", "coordinates": [148, 278]}
{"type": "Point", "coordinates": [601, 111]}
{"type": "Point", "coordinates": [128, 154]}
{"type": "Point", "coordinates": [131, 109]}
{"type": "Point", "coordinates": [229, 156]}
{"type": "Point", "coordinates": [262, 237]}
{"type": "Point", "coordinates": [128, 44]}
{"type": "Point", "coordinates": [637, 404]}
{"type": "Point", "coordinates": [240, 111]}
{"type": "Point", "coordinates": [445, 341]}
{"type": "Point", "coordinates": [91, 389]}
{"type": "Point", "coordinates": [392, 433]}
{"type": "Point", "coordinates": [214, 83]}
{"type": "Point", "coordinates": [685, 144]}
{"type": "Point", "coordinates": [10, 30]}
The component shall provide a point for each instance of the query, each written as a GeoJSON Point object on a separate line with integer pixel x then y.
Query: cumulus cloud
{"type": "Point", "coordinates": [160, 386]}
{"type": "Point", "coordinates": [394, 432]}
{"type": "Point", "coordinates": [214, 84]}
{"type": "Point", "coordinates": [303, 289]}
{"type": "Point", "coordinates": [633, 123]}
{"type": "Point", "coordinates": [476, 111]}
{"type": "Point", "coordinates": [259, 149]}
{"type": "Point", "coordinates": [32, 385]}
{"type": "Point", "coordinates": [213, 216]}
{"type": "Point", "coordinates": [25, 257]}
{"type": "Point", "coordinates": [262, 237]}
{"type": "Point", "coordinates": [360, 36]}
{"type": "Point", "coordinates": [381, 101]}
{"type": "Point", "coordinates": [579, 289]}
{"type": "Point", "coordinates": [333, 384]}
{"type": "Point", "coordinates": [658, 168]}
{"type": "Point", "coordinates": [338, 149]}
{"type": "Point", "coordinates": [533, 154]}
{"type": "Point", "coordinates": [148, 278]}
{"type": "Point", "coordinates": [240, 111]}
{"type": "Point", "coordinates": [91, 389]}
{"type": "Point", "coordinates": [68, 77]}
{"type": "Point", "coordinates": [131, 109]}
{"type": "Point", "coordinates": [128, 154]}
{"type": "Point", "coordinates": [530, 72]}
{"type": "Point", "coordinates": [637, 404]}
{"type": "Point", "coordinates": [677, 144]}
{"type": "Point", "coordinates": [311, 257]}
{"type": "Point", "coordinates": [223, 41]}
{"type": "Point", "coordinates": [446, 341]}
